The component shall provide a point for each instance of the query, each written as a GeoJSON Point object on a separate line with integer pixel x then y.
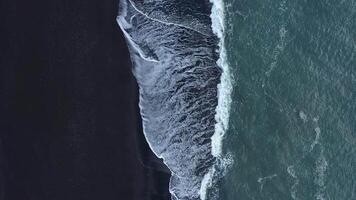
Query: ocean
{"type": "Point", "coordinates": [246, 99]}
{"type": "Point", "coordinates": [293, 114]}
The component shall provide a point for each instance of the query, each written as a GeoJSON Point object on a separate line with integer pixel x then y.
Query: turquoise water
{"type": "Point", "coordinates": [293, 115]}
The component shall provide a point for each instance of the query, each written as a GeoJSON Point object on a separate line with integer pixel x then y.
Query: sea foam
{"type": "Point", "coordinates": [224, 103]}
{"type": "Point", "coordinates": [184, 88]}
{"type": "Point", "coordinates": [225, 86]}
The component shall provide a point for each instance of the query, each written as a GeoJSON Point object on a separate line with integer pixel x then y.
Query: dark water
{"type": "Point", "coordinates": [293, 116]}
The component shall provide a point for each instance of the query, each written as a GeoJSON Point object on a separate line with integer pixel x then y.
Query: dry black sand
{"type": "Point", "coordinates": [69, 122]}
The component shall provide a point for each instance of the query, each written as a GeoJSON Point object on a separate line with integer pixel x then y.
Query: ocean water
{"type": "Point", "coordinates": [293, 113]}
{"type": "Point", "coordinates": [247, 99]}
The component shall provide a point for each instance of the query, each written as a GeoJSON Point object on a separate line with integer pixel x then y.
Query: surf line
{"type": "Point", "coordinates": [224, 101]}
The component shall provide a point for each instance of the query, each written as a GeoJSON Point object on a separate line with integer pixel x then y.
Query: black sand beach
{"type": "Point", "coordinates": [69, 122]}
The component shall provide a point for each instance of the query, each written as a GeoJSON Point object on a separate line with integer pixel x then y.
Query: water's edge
{"type": "Point", "coordinates": [193, 176]}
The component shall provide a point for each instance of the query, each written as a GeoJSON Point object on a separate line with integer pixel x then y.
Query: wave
{"type": "Point", "coordinates": [222, 115]}
{"type": "Point", "coordinates": [180, 65]}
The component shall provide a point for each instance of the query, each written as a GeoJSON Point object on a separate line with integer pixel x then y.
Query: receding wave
{"type": "Point", "coordinates": [176, 62]}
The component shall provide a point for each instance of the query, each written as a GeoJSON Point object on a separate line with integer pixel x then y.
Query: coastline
{"type": "Point", "coordinates": [71, 126]}
{"type": "Point", "coordinates": [147, 36]}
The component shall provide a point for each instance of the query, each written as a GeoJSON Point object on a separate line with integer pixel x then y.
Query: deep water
{"type": "Point", "coordinates": [293, 116]}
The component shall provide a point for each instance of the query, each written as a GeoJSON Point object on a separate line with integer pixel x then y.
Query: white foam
{"type": "Point", "coordinates": [225, 86]}
{"type": "Point", "coordinates": [317, 138]}
{"type": "Point", "coordinates": [217, 171]}
{"type": "Point", "coordinates": [303, 116]}
{"type": "Point", "coordinates": [224, 99]}
{"type": "Point", "coordinates": [263, 180]}
{"type": "Point", "coordinates": [224, 94]}
{"type": "Point", "coordinates": [206, 183]}
{"type": "Point", "coordinates": [124, 24]}
{"type": "Point", "coordinates": [163, 22]}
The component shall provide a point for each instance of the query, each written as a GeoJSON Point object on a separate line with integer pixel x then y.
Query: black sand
{"type": "Point", "coordinates": [69, 122]}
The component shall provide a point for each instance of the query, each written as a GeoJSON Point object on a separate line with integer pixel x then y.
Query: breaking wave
{"type": "Point", "coordinates": [179, 61]}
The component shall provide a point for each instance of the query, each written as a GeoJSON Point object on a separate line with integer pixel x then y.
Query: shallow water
{"type": "Point", "coordinates": [174, 54]}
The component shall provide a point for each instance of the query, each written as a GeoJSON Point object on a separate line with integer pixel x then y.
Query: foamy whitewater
{"type": "Point", "coordinates": [223, 108]}
{"type": "Point", "coordinates": [179, 61]}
